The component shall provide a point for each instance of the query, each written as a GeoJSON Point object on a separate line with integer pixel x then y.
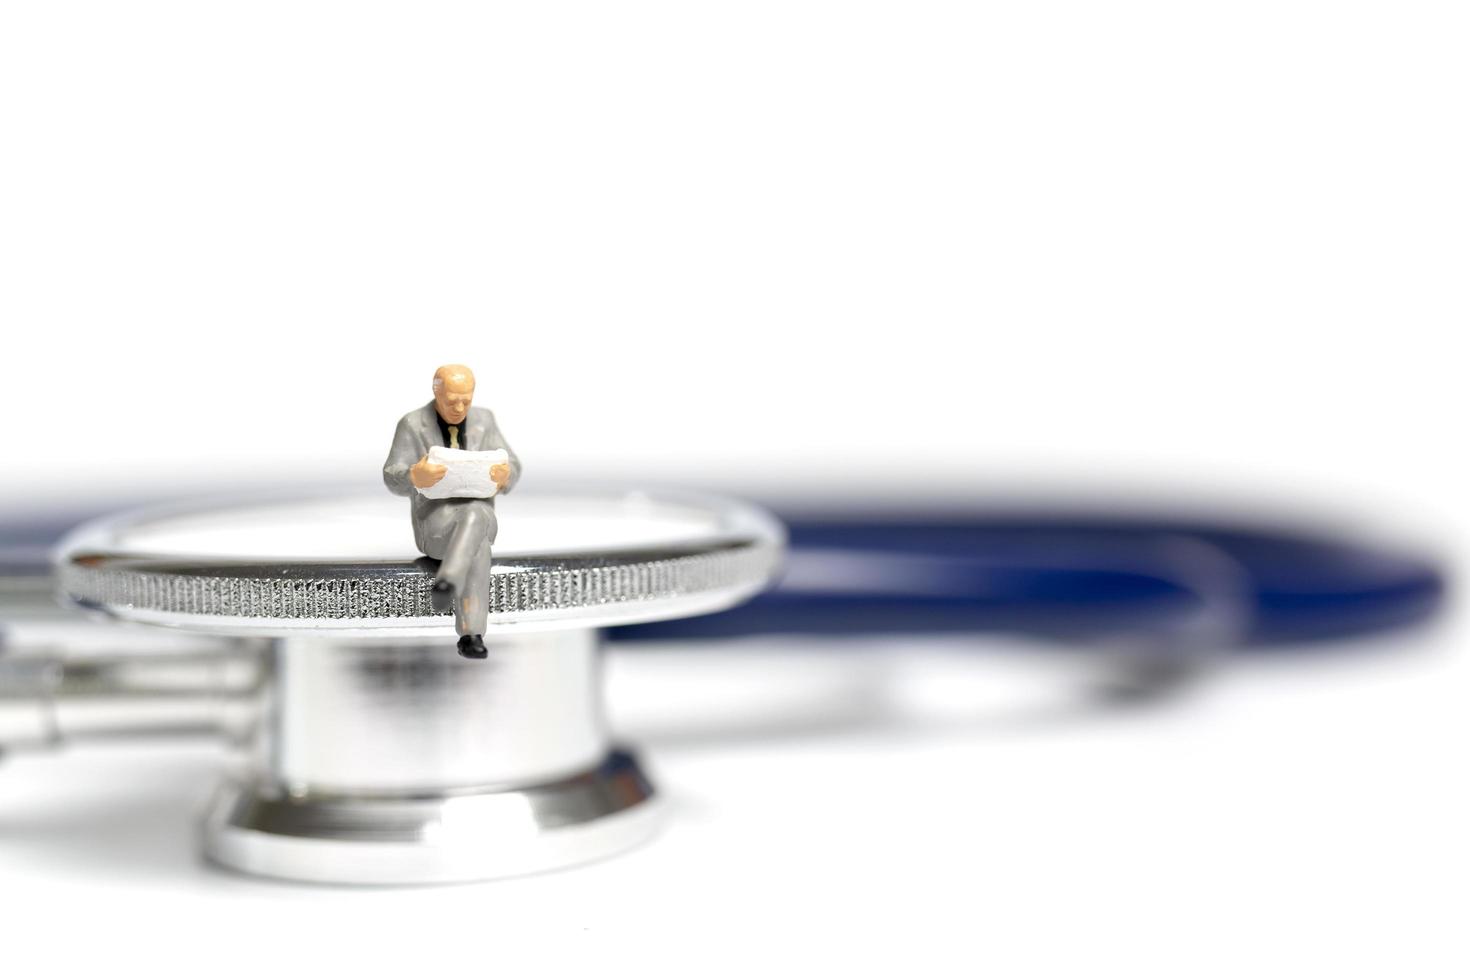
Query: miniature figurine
{"type": "Point", "coordinates": [452, 460]}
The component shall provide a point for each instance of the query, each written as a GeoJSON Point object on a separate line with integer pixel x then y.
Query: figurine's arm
{"type": "Point", "coordinates": [405, 453]}
{"type": "Point", "coordinates": [496, 440]}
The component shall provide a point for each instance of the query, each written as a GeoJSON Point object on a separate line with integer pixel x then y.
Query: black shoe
{"type": "Point", "coordinates": [441, 597]}
{"type": "Point", "coordinates": [473, 647]}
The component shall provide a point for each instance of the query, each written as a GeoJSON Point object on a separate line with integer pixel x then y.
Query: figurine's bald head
{"type": "Point", "coordinates": [454, 389]}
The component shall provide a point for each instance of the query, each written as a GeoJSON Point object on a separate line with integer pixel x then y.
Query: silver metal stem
{"type": "Point", "coordinates": [411, 717]}
{"type": "Point", "coordinates": [48, 699]}
{"type": "Point", "coordinates": [398, 762]}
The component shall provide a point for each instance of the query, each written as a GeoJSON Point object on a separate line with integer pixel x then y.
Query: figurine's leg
{"type": "Point", "coordinates": [473, 608]}
{"type": "Point", "coordinates": [469, 560]}
{"type": "Point", "coordinates": [469, 529]}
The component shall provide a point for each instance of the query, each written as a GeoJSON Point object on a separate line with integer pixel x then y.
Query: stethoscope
{"type": "Point", "coordinates": [299, 631]}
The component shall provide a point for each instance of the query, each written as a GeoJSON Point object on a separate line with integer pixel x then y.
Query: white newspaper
{"type": "Point", "coordinates": [469, 472]}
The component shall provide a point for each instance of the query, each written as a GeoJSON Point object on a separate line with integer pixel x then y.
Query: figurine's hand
{"type": "Point", "coordinates": [500, 473]}
{"type": "Point", "coordinates": [425, 474]}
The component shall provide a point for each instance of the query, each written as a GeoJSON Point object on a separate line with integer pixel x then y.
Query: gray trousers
{"type": "Point", "coordinates": [459, 534]}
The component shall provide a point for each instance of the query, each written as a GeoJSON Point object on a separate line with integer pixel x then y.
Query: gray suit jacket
{"type": "Point", "coordinates": [417, 432]}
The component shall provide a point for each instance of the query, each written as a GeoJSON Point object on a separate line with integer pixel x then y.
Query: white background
{"type": "Point", "coordinates": [909, 250]}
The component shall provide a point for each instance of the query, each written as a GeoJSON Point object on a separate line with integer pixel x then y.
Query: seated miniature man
{"type": "Point", "coordinates": [456, 530]}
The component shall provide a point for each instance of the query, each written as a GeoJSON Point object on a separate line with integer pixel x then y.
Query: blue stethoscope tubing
{"type": "Point", "coordinates": [1074, 575]}
{"type": "Point", "coordinates": [1065, 574]}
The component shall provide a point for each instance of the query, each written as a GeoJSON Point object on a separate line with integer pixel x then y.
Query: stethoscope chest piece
{"type": "Point", "coordinates": [372, 752]}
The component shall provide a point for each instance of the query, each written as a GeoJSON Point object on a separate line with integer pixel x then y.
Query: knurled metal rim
{"type": "Point", "coordinates": [526, 590]}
